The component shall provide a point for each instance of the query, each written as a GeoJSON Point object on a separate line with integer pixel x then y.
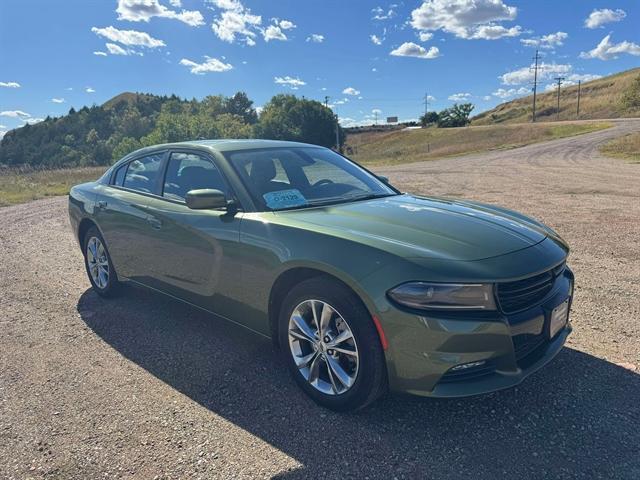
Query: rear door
{"type": "Point", "coordinates": [197, 250]}
{"type": "Point", "coordinates": [123, 215]}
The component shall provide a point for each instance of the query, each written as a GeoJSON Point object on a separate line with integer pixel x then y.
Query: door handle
{"type": "Point", "coordinates": [101, 204]}
{"type": "Point", "coordinates": [154, 222]}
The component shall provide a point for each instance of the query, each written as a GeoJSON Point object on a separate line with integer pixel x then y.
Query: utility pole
{"type": "Point", "coordinates": [578, 109]}
{"type": "Point", "coordinates": [376, 117]}
{"type": "Point", "coordinates": [535, 84]}
{"type": "Point", "coordinates": [426, 103]}
{"type": "Point", "coordinates": [559, 80]}
{"type": "Point", "coordinates": [326, 101]}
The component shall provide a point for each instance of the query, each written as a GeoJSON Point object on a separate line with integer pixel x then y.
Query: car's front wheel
{"type": "Point", "coordinates": [331, 345]}
{"type": "Point", "coordinates": [97, 261]}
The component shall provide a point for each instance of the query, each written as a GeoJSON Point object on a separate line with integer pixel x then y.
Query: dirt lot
{"type": "Point", "coordinates": [144, 387]}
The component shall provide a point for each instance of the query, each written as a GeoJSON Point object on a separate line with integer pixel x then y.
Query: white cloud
{"type": "Point", "coordinates": [606, 50]}
{"type": "Point", "coordinates": [410, 49]}
{"type": "Point", "coordinates": [347, 121]}
{"type": "Point", "coordinates": [585, 77]}
{"type": "Point", "coordinates": [425, 36]}
{"type": "Point", "coordinates": [89, 90]}
{"type": "Point", "coordinates": [228, 4]}
{"type": "Point", "coordinates": [380, 13]}
{"type": "Point", "coordinates": [10, 84]}
{"type": "Point", "coordinates": [286, 25]}
{"type": "Point", "coordinates": [459, 97]}
{"type": "Point", "coordinates": [175, 3]}
{"type": "Point", "coordinates": [32, 120]}
{"type": "Point", "coordinates": [100, 54]}
{"type": "Point", "coordinates": [14, 114]}
{"type": "Point", "coordinates": [145, 10]}
{"type": "Point", "coordinates": [232, 22]}
{"type": "Point", "coordinates": [237, 22]}
{"type": "Point", "coordinates": [293, 83]}
{"type": "Point", "coordinates": [376, 39]}
{"type": "Point", "coordinates": [58, 100]}
{"type": "Point", "coordinates": [128, 37]}
{"type": "Point", "coordinates": [315, 38]}
{"type": "Point", "coordinates": [351, 91]}
{"type": "Point", "coordinates": [114, 49]}
{"type": "Point", "coordinates": [547, 42]}
{"type": "Point", "coordinates": [597, 18]}
{"type": "Point", "coordinates": [209, 65]}
{"type": "Point", "coordinates": [273, 32]}
{"type": "Point", "coordinates": [494, 32]}
{"type": "Point", "coordinates": [511, 92]}
{"type": "Point", "coordinates": [572, 80]}
{"type": "Point", "coordinates": [486, 98]}
{"type": "Point", "coordinates": [525, 74]}
{"type": "Point", "coordinates": [466, 18]}
{"type": "Point", "coordinates": [2, 134]}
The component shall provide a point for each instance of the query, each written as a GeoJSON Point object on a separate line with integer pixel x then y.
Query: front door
{"type": "Point", "coordinates": [197, 249]}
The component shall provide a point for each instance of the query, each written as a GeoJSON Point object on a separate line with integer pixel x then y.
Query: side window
{"type": "Point", "coordinates": [143, 172]}
{"type": "Point", "coordinates": [119, 177]}
{"type": "Point", "coordinates": [189, 171]}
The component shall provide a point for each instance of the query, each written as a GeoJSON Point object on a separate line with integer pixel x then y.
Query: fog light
{"type": "Point", "coordinates": [466, 366]}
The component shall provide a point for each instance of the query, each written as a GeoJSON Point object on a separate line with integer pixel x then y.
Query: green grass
{"type": "Point", "coordinates": [24, 185]}
{"type": "Point", "coordinates": [613, 96]}
{"type": "Point", "coordinates": [392, 148]}
{"type": "Point", "coordinates": [626, 147]}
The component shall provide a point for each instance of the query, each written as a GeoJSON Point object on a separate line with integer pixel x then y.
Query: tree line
{"type": "Point", "coordinates": [456, 116]}
{"type": "Point", "coordinates": [102, 134]}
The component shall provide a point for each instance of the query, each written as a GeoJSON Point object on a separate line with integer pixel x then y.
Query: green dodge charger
{"type": "Point", "coordinates": [363, 288]}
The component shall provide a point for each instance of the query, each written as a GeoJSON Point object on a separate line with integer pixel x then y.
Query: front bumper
{"type": "Point", "coordinates": [425, 347]}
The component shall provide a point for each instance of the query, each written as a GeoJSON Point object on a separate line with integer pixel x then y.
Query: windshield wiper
{"type": "Point", "coordinates": [337, 200]}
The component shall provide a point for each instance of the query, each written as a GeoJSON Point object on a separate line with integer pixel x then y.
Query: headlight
{"type": "Point", "coordinates": [444, 296]}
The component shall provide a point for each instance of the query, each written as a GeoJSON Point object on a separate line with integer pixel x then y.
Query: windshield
{"type": "Point", "coordinates": [298, 177]}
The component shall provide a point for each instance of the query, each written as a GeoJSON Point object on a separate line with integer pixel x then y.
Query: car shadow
{"type": "Point", "coordinates": [579, 417]}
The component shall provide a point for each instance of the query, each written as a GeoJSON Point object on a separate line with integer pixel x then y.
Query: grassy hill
{"type": "Point", "coordinates": [391, 148]}
{"type": "Point", "coordinates": [614, 96]}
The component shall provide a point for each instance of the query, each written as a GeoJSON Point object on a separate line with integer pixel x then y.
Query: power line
{"type": "Point", "coordinates": [426, 103]}
{"type": "Point", "coordinates": [535, 84]}
{"type": "Point", "coordinates": [559, 80]}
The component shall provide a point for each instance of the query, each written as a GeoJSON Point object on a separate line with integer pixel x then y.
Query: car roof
{"type": "Point", "coordinates": [227, 145]}
{"type": "Point", "coordinates": [222, 145]}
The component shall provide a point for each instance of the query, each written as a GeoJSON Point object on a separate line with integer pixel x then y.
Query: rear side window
{"type": "Point", "coordinates": [119, 178]}
{"type": "Point", "coordinates": [190, 171]}
{"type": "Point", "coordinates": [142, 173]}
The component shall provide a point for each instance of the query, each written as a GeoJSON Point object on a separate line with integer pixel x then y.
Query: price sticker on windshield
{"type": "Point", "coordinates": [284, 199]}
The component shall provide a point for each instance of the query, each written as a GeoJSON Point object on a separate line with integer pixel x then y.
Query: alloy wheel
{"type": "Point", "coordinates": [323, 347]}
{"type": "Point", "coordinates": [97, 262]}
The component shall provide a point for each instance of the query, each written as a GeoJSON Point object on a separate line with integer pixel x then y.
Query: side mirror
{"type": "Point", "coordinates": [383, 178]}
{"type": "Point", "coordinates": [205, 198]}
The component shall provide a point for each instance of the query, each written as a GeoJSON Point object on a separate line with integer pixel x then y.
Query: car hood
{"type": "Point", "coordinates": [421, 227]}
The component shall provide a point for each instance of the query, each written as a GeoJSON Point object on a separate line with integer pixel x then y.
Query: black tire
{"type": "Point", "coordinates": [371, 378]}
{"type": "Point", "coordinates": [112, 286]}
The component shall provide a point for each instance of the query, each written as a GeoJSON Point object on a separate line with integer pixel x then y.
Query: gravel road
{"type": "Point", "coordinates": [144, 387]}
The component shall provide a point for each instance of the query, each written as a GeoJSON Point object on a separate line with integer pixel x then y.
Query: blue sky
{"type": "Point", "coordinates": [367, 57]}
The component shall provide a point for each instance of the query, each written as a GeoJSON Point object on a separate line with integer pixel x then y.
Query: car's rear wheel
{"type": "Point", "coordinates": [97, 261]}
{"type": "Point", "coordinates": [331, 346]}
